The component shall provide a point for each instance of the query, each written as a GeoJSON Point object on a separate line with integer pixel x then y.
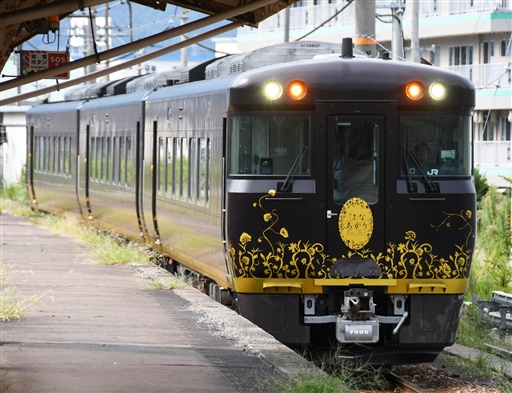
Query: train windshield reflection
{"type": "Point", "coordinates": [436, 145]}
{"type": "Point", "coordinates": [269, 144]}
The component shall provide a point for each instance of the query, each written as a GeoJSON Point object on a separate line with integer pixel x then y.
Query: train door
{"type": "Point", "coordinates": [356, 195]}
{"type": "Point", "coordinates": [150, 177]}
{"type": "Point", "coordinates": [139, 179]}
{"type": "Point", "coordinates": [83, 171]}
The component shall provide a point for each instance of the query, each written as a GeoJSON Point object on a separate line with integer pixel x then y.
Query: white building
{"type": "Point", "coordinates": [471, 37]}
{"type": "Point", "coordinates": [12, 153]}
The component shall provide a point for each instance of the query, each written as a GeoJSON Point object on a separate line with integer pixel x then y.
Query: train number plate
{"type": "Point", "coordinates": [357, 331]}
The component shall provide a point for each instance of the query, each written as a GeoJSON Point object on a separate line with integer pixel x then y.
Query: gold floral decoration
{"type": "Point", "coordinates": [410, 259]}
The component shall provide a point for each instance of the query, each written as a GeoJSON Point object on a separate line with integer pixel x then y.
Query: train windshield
{"type": "Point", "coordinates": [270, 145]}
{"type": "Point", "coordinates": [436, 145]}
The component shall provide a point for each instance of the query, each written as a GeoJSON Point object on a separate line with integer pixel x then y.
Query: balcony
{"type": "Point", "coordinates": [304, 19]}
{"type": "Point", "coordinates": [485, 76]}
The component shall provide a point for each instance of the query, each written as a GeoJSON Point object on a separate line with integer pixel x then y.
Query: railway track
{"type": "Point", "coordinates": [402, 385]}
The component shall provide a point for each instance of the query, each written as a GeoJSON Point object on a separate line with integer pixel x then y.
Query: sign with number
{"type": "Point", "coordinates": [39, 60]}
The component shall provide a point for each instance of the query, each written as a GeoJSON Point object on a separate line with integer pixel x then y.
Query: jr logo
{"type": "Point", "coordinates": [433, 172]}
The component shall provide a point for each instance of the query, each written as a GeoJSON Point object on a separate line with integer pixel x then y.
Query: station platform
{"type": "Point", "coordinates": [102, 329]}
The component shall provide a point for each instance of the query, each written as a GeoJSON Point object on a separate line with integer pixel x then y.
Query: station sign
{"type": "Point", "coordinates": [40, 60]}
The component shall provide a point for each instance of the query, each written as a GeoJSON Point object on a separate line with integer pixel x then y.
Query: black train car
{"type": "Point", "coordinates": [332, 197]}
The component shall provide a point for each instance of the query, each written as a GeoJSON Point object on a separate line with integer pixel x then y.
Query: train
{"type": "Point", "coordinates": [328, 197]}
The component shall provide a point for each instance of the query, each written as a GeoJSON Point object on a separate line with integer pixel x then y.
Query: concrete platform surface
{"type": "Point", "coordinates": [102, 329]}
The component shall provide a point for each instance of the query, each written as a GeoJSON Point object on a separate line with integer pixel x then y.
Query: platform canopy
{"type": "Point", "coordinates": [20, 20]}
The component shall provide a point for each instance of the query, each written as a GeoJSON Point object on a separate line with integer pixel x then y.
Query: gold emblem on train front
{"type": "Point", "coordinates": [355, 223]}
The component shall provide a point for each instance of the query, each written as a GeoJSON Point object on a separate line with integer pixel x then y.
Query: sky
{"type": "Point", "coordinates": [145, 22]}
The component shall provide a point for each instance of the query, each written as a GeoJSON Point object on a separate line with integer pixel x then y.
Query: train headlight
{"type": "Point", "coordinates": [297, 90]}
{"type": "Point", "coordinates": [437, 91]}
{"type": "Point", "coordinates": [415, 91]}
{"type": "Point", "coordinates": [273, 90]}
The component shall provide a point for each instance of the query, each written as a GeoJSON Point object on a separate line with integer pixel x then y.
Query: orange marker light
{"type": "Point", "coordinates": [297, 90]}
{"type": "Point", "coordinates": [415, 91]}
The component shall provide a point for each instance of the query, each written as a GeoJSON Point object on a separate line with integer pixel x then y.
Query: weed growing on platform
{"type": "Point", "coordinates": [12, 304]}
{"type": "Point", "coordinates": [106, 248]}
{"type": "Point", "coordinates": [176, 282]}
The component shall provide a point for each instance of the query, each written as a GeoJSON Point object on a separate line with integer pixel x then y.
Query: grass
{"type": "Point", "coordinates": [478, 369]}
{"type": "Point", "coordinates": [106, 248]}
{"type": "Point", "coordinates": [475, 331]}
{"type": "Point", "coordinates": [175, 282]}
{"type": "Point", "coordinates": [14, 306]}
{"type": "Point", "coordinates": [312, 384]}
{"type": "Point", "coordinates": [335, 376]}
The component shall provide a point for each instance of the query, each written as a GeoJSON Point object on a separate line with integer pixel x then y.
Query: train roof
{"type": "Point", "coordinates": [64, 106]}
{"type": "Point", "coordinates": [115, 101]}
{"type": "Point", "coordinates": [279, 53]}
{"type": "Point", "coordinates": [210, 69]}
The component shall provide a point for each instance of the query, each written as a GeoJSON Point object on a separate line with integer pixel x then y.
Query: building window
{"type": "Point", "coordinates": [505, 129]}
{"type": "Point", "coordinates": [487, 51]}
{"type": "Point", "coordinates": [505, 48]}
{"type": "Point", "coordinates": [461, 55]}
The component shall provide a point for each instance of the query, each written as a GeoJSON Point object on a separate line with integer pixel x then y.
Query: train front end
{"type": "Point", "coordinates": [350, 205]}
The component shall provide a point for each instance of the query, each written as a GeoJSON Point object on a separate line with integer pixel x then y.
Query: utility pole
{"type": "Point", "coordinates": [364, 39]}
{"type": "Point", "coordinates": [415, 40]}
{"type": "Point", "coordinates": [287, 24]}
{"type": "Point", "coordinates": [397, 43]}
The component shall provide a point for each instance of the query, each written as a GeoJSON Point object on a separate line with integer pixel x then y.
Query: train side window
{"type": "Point", "coordinates": [129, 160]}
{"type": "Point", "coordinates": [67, 156]}
{"type": "Point", "coordinates": [269, 145]}
{"type": "Point", "coordinates": [92, 154]}
{"type": "Point", "coordinates": [115, 160]}
{"type": "Point", "coordinates": [108, 163]}
{"type": "Point", "coordinates": [169, 183]}
{"type": "Point", "coordinates": [52, 154]}
{"type": "Point", "coordinates": [184, 169]}
{"type": "Point", "coordinates": [204, 168]}
{"type": "Point", "coordinates": [36, 154]}
{"type": "Point", "coordinates": [58, 158]}
{"type": "Point", "coordinates": [193, 173]}
{"type": "Point", "coordinates": [62, 155]}
{"type": "Point", "coordinates": [103, 159]}
{"type": "Point", "coordinates": [122, 161]}
{"type": "Point", "coordinates": [177, 168]}
{"type": "Point", "coordinates": [99, 158]}
{"type": "Point", "coordinates": [161, 167]}
{"type": "Point", "coordinates": [48, 157]}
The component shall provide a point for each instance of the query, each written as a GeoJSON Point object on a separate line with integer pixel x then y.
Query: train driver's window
{"type": "Point", "coordinates": [269, 145]}
{"type": "Point", "coordinates": [435, 145]}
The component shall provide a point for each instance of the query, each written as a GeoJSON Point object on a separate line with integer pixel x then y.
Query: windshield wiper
{"type": "Point", "coordinates": [293, 170]}
{"type": "Point", "coordinates": [432, 187]}
{"type": "Point", "coordinates": [408, 172]}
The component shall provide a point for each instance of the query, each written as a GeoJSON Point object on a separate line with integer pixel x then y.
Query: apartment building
{"type": "Point", "coordinates": [470, 37]}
